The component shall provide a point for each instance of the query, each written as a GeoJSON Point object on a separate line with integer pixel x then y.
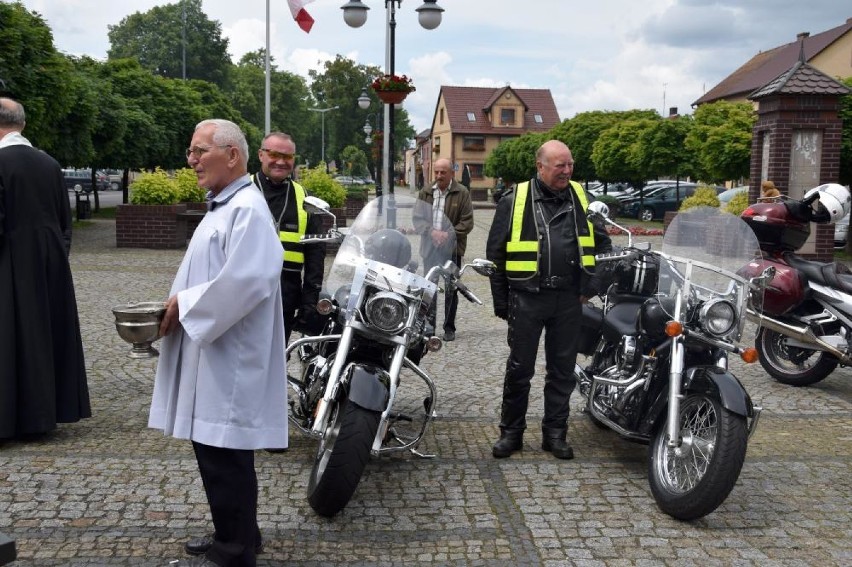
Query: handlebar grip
{"type": "Point", "coordinates": [612, 256]}
{"type": "Point", "coordinates": [467, 293]}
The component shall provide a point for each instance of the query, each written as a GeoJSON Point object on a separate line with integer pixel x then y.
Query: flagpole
{"type": "Point", "coordinates": [267, 95]}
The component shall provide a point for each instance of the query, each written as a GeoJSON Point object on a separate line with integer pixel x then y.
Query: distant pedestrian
{"type": "Point", "coordinates": [42, 369]}
{"type": "Point", "coordinates": [444, 227]}
{"type": "Point", "coordinates": [221, 377]}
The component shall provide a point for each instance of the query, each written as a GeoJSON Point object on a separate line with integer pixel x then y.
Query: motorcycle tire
{"type": "Point", "coordinates": [793, 366]}
{"type": "Point", "coordinates": [341, 458]}
{"type": "Point", "coordinates": [693, 480]}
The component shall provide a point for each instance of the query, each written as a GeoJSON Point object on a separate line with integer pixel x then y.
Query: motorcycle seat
{"type": "Point", "coordinates": [832, 274]}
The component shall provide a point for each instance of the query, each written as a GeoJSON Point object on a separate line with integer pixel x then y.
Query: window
{"type": "Point", "coordinates": [475, 170]}
{"type": "Point", "coordinates": [471, 117]}
{"type": "Point", "coordinates": [473, 143]}
{"type": "Point", "coordinates": [441, 116]}
{"type": "Point", "coordinates": [538, 119]}
{"type": "Point", "coordinates": [507, 116]}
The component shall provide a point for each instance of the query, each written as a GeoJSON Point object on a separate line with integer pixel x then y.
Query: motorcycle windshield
{"type": "Point", "coordinates": [392, 244]}
{"type": "Point", "coordinates": [704, 252]}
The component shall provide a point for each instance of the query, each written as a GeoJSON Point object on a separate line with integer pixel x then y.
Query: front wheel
{"type": "Point", "coordinates": [647, 214]}
{"type": "Point", "coordinates": [693, 479]}
{"type": "Point", "coordinates": [342, 455]}
{"type": "Point", "coordinates": [792, 365]}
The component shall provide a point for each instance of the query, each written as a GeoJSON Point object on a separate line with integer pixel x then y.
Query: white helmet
{"type": "Point", "coordinates": [599, 207]}
{"type": "Point", "coordinates": [834, 199]}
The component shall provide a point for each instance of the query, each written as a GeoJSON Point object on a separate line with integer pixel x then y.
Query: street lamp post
{"type": "Point", "coordinates": [368, 129]}
{"type": "Point", "coordinates": [429, 16]}
{"type": "Point", "coordinates": [322, 112]}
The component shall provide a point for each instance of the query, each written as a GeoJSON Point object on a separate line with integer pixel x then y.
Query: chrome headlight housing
{"type": "Point", "coordinates": [386, 311]}
{"type": "Point", "coordinates": [718, 317]}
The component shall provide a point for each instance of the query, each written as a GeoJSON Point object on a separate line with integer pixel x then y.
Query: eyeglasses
{"type": "Point", "coordinates": [277, 155]}
{"type": "Point", "coordinates": [199, 151]}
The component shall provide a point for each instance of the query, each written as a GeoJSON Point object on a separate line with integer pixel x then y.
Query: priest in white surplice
{"type": "Point", "coordinates": [221, 377]}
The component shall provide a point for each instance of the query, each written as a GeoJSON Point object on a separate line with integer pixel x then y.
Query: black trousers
{"type": "Point", "coordinates": [230, 483]}
{"type": "Point", "coordinates": [451, 300]}
{"type": "Point", "coordinates": [557, 312]}
{"type": "Point", "coordinates": [291, 298]}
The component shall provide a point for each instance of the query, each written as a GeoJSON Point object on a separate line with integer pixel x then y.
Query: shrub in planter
{"type": "Point", "coordinates": [703, 197]}
{"type": "Point", "coordinates": [154, 188]}
{"type": "Point", "coordinates": [738, 204]}
{"type": "Point", "coordinates": [320, 184]}
{"type": "Point", "coordinates": [187, 186]}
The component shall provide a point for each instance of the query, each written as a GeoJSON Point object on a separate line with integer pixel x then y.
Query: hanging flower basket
{"type": "Point", "coordinates": [392, 89]}
{"type": "Point", "coordinates": [391, 97]}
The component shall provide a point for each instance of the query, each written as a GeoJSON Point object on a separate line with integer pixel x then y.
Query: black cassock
{"type": "Point", "coordinates": [42, 370]}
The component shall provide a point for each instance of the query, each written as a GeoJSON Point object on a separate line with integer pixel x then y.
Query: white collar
{"type": "Point", "coordinates": [14, 139]}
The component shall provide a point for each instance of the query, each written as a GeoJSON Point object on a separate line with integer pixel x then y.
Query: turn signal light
{"type": "Point", "coordinates": [749, 354]}
{"type": "Point", "coordinates": [434, 344]}
{"type": "Point", "coordinates": [324, 306]}
{"type": "Point", "coordinates": [673, 328]}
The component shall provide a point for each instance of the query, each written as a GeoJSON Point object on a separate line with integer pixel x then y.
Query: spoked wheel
{"type": "Point", "coordinates": [342, 455]}
{"type": "Point", "coordinates": [792, 365]}
{"type": "Point", "coordinates": [692, 480]}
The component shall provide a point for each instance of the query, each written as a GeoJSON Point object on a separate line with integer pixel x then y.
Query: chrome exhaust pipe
{"type": "Point", "coordinates": [804, 334]}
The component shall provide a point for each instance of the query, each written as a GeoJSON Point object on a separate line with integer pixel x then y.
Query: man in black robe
{"type": "Point", "coordinates": [42, 370]}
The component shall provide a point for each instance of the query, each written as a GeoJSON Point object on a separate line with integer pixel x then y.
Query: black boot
{"type": "Point", "coordinates": [553, 441]}
{"type": "Point", "coordinates": [508, 443]}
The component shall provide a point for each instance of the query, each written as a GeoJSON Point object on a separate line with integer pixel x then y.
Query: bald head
{"type": "Point", "coordinates": [554, 164]}
{"type": "Point", "coordinates": [12, 116]}
{"type": "Point", "coordinates": [443, 171]}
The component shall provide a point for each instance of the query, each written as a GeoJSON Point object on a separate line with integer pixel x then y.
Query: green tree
{"type": "Point", "coordinates": [514, 160]}
{"type": "Point", "coordinates": [662, 150]}
{"type": "Point", "coordinates": [156, 39]}
{"type": "Point", "coordinates": [617, 152]}
{"type": "Point", "coordinates": [581, 132]}
{"type": "Point", "coordinates": [355, 160]}
{"type": "Point", "coordinates": [35, 74]}
{"type": "Point", "coordinates": [721, 140]}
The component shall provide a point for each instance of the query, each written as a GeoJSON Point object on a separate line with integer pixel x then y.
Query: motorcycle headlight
{"type": "Point", "coordinates": [386, 311]}
{"type": "Point", "coordinates": [718, 317]}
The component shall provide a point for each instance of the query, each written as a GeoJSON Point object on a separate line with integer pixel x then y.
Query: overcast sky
{"type": "Point", "coordinates": [598, 55]}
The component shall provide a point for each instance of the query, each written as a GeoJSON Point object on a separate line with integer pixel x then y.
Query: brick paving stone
{"type": "Point", "coordinates": [109, 492]}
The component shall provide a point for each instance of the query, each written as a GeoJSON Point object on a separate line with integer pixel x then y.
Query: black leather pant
{"type": "Point", "coordinates": [557, 312]}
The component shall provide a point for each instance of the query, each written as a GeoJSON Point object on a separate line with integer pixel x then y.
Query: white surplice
{"type": "Point", "coordinates": [221, 377]}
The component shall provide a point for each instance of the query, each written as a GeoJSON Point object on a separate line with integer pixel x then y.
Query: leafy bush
{"type": "Point", "coordinates": [155, 188]}
{"type": "Point", "coordinates": [320, 184]}
{"type": "Point", "coordinates": [187, 186]}
{"type": "Point", "coordinates": [703, 197]}
{"type": "Point", "coordinates": [357, 192]}
{"type": "Point", "coordinates": [738, 204]}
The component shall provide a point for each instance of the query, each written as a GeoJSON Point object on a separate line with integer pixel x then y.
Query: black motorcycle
{"type": "Point", "coordinates": [658, 368]}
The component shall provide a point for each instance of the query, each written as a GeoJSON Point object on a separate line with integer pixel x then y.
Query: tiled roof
{"type": "Point", "coordinates": [461, 100]}
{"type": "Point", "coordinates": [768, 65]}
{"type": "Point", "coordinates": [801, 78]}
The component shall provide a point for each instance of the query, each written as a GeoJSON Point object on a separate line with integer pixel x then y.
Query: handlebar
{"type": "Point", "coordinates": [463, 289]}
{"type": "Point", "coordinates": [330, 236]}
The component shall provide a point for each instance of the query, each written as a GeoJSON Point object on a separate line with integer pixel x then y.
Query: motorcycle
{"type": "Point", "coordinates": [806, 317]}
{"type": "Point", "coordinates": [658, 349]}
{"type": "Point", "coordinates": [377, 320]}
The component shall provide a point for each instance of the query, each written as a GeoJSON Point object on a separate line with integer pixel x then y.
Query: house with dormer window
{"type": "Point", "coordinates": [469, 122]}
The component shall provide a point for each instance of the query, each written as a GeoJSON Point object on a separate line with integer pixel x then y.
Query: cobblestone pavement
{"type": "Point", "coordinates": [109, 491]}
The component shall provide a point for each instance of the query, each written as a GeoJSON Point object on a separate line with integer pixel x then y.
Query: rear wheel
{"type": "Point", "coordinates": [342, 455]}
{"type": "Point", "coordinates": [647, 214]}
{"type": "Point", "coordinates": [792, 365]}
{"type": "Point", "coordinates": [693, 479]}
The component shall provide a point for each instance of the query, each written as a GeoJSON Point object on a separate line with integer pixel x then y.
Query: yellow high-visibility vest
{"type": "Point", "coordinates": [294, 252]}
{"type": "Point", "coordinates": [522, 248]}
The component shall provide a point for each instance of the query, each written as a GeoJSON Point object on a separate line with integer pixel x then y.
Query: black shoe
{"type": "Point", "coordinates": [559, 447]}
{"type": "Point", "coordinates": [449, 336]}
{"type": "Point", "coordinates": [200, 545]}
{"type": "Point", "coordinates": [194, 562]}
{"type": "Point", "coordinates": [276, 451]}
{"type": "Point", "coordinates": [506, 445]}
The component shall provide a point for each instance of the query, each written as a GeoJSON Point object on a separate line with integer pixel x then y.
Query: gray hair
{"type": "Point", "coordinates": [281, 135]}
{"type": "Point", "coordinates": [12, 114]}
{"type": "Point", "coordinates": [227, 134]}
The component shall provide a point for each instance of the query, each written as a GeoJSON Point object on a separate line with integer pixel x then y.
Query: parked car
{"type": "Point", "coordinates": [83, 178]}
{"type": "Point", "coordinates": [617, 190]}
{"type": "Point", "coordinates": [345, 180]}
{"type": "Point", "coordinates": [726, 196]}
{"type": "Point", "coordinates": [657, 202]}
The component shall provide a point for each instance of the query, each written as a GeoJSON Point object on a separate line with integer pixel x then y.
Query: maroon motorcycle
{"type": "Point", "coordinates": [806, 316]}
